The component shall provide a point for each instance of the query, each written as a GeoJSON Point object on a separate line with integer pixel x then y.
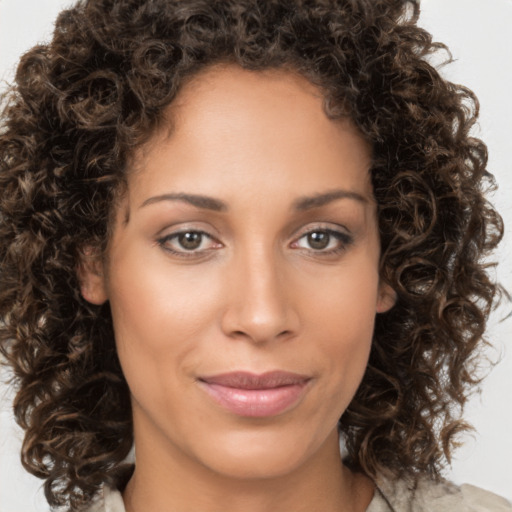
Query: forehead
{"type": "Point", "coordinates": [237, 82]}
{"type": "Point", "coordinates": [231, 125]}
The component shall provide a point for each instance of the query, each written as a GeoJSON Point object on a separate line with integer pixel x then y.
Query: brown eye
{"type": "Point", "coordinates": [318, 239]}
{"type": "Point", "coordinates": [324, 241]}
{"type": "Point", "coordinates": [190, 240]}
{"type": "Point", "coordinates": [189, 243]}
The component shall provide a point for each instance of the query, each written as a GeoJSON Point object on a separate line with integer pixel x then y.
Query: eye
{"type": "Point", "coordinates": [318, 240]}
{"type": "Point", "coordinates": [324, 241]}
{"type": "Point", "coordinates": [188, 242]}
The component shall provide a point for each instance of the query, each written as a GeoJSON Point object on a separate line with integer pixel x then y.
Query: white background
{"type": "Point", "coordinates": [479, 35]}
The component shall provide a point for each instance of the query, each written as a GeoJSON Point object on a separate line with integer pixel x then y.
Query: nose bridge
{"type": "Point", "coordinates": [260, 306]}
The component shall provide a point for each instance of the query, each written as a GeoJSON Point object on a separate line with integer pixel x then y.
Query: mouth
{"type": "Point", "coordinates": [251, 395]}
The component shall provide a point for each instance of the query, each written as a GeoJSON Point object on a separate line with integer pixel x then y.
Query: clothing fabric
{"type": "Point", "coordinates": [390, 496]}
{"type": "Point", "coordinates": [428, 496]}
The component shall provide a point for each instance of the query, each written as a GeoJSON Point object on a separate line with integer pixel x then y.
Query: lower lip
{"type": "Point", "coordinates": [256, 403]}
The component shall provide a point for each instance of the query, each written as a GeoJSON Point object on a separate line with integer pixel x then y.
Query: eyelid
{"type": "Point", "coordinates": [336, 231]}
{"type": "Point", "coordinates": [342, 234]}
{"type": "Point", "coordinates": [164, 239]}
{"type": "Point", "coordinates": [322, 226]}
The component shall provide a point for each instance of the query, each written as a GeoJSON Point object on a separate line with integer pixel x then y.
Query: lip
{"type": "Point", "coordinates": [256, 395]}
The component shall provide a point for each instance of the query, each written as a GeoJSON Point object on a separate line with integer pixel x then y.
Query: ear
{"type": "Point", "coordinates": [386, 299]}
{"type": "Point", "coordinates": [91, 276]}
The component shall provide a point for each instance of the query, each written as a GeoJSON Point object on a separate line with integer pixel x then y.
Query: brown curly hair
{"type": "Point", "coordinates": [84, 102]}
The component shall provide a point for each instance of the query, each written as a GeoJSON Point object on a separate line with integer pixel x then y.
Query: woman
{"type": "Point", "coordinates": [227, 225]}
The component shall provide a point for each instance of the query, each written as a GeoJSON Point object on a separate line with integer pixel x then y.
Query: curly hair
{"type": "Point", "coordinates": [83, 103]}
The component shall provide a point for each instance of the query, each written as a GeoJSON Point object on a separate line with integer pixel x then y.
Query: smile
{"type": "Point", "coordinates": [250, 395]}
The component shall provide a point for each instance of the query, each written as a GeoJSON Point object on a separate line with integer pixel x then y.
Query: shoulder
{"type": "Point", "coordinates": [429, 496]}
{"type": "Point", "coordinates": [397, 496]}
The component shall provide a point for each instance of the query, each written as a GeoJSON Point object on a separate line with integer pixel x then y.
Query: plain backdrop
{"type": "Point", "coordinates": [479, 35]}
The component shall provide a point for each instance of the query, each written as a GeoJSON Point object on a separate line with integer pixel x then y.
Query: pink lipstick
{"type": "Point", "coordinates": [248, 394]}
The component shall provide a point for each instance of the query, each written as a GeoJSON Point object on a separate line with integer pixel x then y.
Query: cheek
{"type": "Point", "coordinates": [160, 317]}
{"type": "Point", "coordinates": [344, 302]}
{"type": "Point", "coordinates": [152, 304]}
{"type": "Point", "coordinates": [343, 317]}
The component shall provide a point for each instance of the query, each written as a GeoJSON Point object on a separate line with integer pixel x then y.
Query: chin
{"type": "Point", "coordinates": [256, 465]}
{"type": "Point", "coordinates": [260, 454]}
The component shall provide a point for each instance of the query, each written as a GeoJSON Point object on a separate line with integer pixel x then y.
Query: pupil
{"type": "Point", "coordinates": [190, 240]}
{"type": "Point", "coordinates": [318, 240]}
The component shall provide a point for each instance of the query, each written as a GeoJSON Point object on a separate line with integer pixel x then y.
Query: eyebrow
{"type": "Point", "coordinates": [318, 200]}
{"type": "Point", "coordinates": [199, 201]}
{"type": "Point", "coordinates": [301, 204]}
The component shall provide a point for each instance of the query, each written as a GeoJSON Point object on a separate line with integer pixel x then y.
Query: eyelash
{"type": "Point", "coordinates": [184, 253]}
{"type": "Point", "coordinates": [344, 241]}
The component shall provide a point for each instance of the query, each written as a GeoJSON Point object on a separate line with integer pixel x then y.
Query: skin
{"type": "Point", "coordinates": [255, 295]}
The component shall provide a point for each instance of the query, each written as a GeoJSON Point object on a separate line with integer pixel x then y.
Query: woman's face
{"type": "Point", "coordinates": [247, 243]}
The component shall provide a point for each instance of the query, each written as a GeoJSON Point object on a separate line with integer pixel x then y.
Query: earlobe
{"type": "Point", "coordinates": [387, 298]}
{"type": "Point", "coordinates": [91, 277]}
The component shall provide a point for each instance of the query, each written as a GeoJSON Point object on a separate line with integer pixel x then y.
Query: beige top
{"type": "Point", "coordinates": [389, 497]}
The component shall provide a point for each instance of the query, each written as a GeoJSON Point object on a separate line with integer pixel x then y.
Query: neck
{"type": "Point", "coordinates": [169, 481]}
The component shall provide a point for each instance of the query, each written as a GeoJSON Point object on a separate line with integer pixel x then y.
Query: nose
{"type": "Point", "coordinates": [260, 307]}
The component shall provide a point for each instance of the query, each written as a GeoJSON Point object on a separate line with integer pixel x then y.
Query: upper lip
{"type": "Point", "coordinates": [248, 380]}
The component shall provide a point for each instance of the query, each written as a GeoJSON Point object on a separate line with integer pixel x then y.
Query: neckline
{"type": "Point", "coordinates": [112, 500]}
